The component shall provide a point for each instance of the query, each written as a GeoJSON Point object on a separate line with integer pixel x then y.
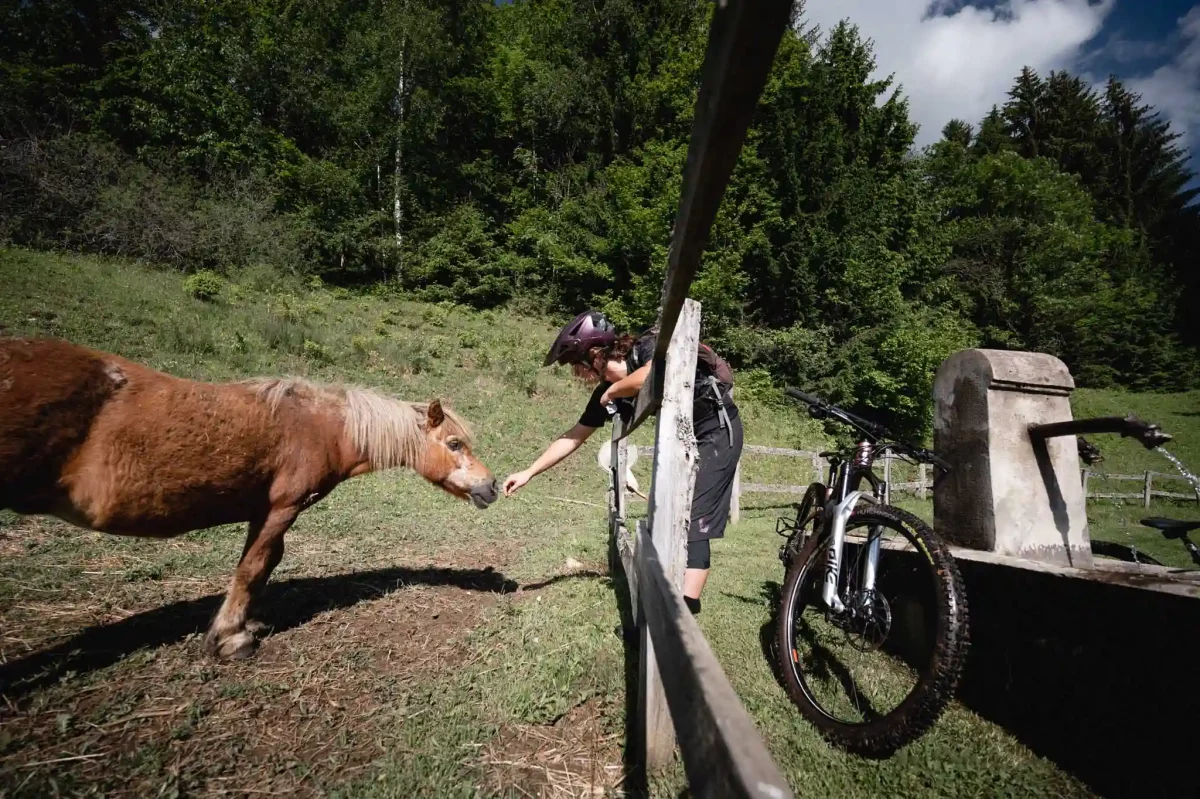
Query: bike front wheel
{"type": "Point", "coordinates": [876, 675]}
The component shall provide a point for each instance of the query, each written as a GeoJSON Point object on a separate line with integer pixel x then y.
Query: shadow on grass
{"type": "Point", "coordinates": [287, 604]}
{"type": "Point", "coordinates": [769, 595]}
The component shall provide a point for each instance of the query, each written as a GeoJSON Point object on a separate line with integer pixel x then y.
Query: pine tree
{"type": "Point", "coordinates": [1024, 111]}
{"type": "Point", "coordinates": [959, 132]}
{"type": "Point", "coordinates": [992, 137]}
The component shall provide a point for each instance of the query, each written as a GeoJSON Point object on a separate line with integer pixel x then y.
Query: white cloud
{"type": "Point", "coordinates": [956, 59]}
{"type": "Point", "coordinates": [1174, 88]}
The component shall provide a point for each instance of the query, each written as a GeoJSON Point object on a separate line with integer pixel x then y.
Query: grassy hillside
{"type": "Point", "coordinates": [420, 647]}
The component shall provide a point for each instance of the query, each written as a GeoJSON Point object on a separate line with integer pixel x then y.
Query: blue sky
{"type": "Point", "coordinates": [956, 58]}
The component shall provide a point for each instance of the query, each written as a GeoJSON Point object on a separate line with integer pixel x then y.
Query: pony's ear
{"type": "Point", "coordinates": [434, 415]}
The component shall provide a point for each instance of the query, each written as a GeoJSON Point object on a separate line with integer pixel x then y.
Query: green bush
{"type": "Point", "coordinates": [435, 316]}
{"type": "Point", "coordinates": [81, 191]}
{"type": "Point", "coordinates": [204, 285]}
{"type": "Point", "coordinates": [315, 351]}
{"type": "Point", "coordinates": [361, 346]}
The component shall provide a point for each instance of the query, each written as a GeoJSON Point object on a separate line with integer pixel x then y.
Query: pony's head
{"type": "Point", "coordinates": [448, 461]}
{"type": "Point", "coordinates": [386, 433]}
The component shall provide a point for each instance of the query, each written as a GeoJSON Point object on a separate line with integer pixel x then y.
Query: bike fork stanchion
{"type": "Point", "coordinates": [871, 562]}
{"type": "Point", "coordinates": [833, 555]}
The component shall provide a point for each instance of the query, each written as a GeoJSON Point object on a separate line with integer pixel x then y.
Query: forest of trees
{"type": "Point", "coordinates": [532, 153]}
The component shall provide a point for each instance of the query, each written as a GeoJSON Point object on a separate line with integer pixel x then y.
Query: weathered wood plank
{"type": "Point", "coordinates": [763, 488]}
{"type": "Point", "coordinates": [1166, 476]}
{"type": "Point", "coordinates": [627, 553]}
{"type": "Point", "coordinates": [742, 41]}
{"type": "Point", "coordinates": [1174, 495]}
{"type": "Point", "coordinates": [758, 449]}
{"type": "Point", "coordinates": [1137, 477]}
{"type": "Point", "coordinates": [723, 753]}
{"type": "Point", "coordinates": [675, 462]}
{"type": "Point", "coordinates": [620, 469]}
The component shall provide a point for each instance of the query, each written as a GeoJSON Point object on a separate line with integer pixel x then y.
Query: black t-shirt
{"type": "Point", "coordinates": [596, 415]}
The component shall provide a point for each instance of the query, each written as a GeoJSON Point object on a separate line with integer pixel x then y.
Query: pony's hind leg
{"type": "Point", "coordinates": [229, 636]}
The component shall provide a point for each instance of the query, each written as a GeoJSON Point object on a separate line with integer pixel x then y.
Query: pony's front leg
{"type": "Point", "coordinates": [228, 636]}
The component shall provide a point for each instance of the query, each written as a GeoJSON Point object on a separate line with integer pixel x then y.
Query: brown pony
{"type": "Point", "coordinates": [114, 446]}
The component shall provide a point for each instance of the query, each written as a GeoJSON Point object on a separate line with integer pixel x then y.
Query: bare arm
{"type": "Point", "coordinates": [628, 386]}
{"type": "Point", "coordinates": [554, 454]}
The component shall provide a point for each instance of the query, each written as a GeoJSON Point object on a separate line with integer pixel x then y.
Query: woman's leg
{"type": "Point", "coordinates": [696, 572]}
{"type": "Point", "coordinates": [710, 505]}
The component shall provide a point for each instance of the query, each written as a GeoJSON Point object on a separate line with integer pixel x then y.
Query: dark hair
{"type": "Point", "coordinates": [617, 351]}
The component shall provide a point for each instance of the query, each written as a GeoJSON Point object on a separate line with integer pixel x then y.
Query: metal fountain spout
{"type": "Point", "coordinates": [1148, 434]}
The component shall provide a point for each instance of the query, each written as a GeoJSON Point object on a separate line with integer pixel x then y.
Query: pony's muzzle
{"type": "Point", "coordinates": [484, 494]}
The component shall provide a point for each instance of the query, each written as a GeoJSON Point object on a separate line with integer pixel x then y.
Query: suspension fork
{"type": "Point", "coordinates": [840, 513]}
{"type": "Point", "coordinates": [838, 516]}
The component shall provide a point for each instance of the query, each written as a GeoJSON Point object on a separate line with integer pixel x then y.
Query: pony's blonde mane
{"type": "Point", "coordinates": [388, 432]}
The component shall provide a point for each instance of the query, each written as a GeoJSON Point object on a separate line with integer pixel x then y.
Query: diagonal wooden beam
{"type": "Point", "coordinates": [742, 41]}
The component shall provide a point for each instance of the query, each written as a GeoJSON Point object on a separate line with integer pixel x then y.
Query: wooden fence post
{"type": "Point", "coordinates": [1084, 473]}
{"type": "Point", "coordinates": [675, 463]}
{"type": "Point", "coordinates": [921, 481]}
{"type": "Point", "coordinates": [1146, 490]}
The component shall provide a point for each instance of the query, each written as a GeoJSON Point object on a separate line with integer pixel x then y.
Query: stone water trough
{"type": "Point", "coordinates": [1092, 663]}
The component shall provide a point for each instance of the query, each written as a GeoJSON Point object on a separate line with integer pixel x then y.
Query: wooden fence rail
{"type": "Point", "coordinates": [723, 753]}
{"type": "Point", "coordinates": [924, 484]}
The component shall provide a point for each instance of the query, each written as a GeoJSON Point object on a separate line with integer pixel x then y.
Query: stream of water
{"type": "Point", "coordinates": [1191, 478]}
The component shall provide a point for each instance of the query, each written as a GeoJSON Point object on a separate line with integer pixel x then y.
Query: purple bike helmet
{"type": "Point", "coordinates": [589, 329]}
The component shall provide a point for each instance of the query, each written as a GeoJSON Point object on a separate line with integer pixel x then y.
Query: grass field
{"type": "Point", "coordinates": [419, 647]}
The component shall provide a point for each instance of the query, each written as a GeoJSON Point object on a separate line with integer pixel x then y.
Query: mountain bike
{"type": "Point", "coordinates": [1171, 529]}
{"type": "Point", "coordinates": [872, 632]}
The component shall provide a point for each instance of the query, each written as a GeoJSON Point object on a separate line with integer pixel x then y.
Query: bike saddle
{"type": "Point", "coordinates": [828, 454]}
{"type": "Point", "coordinates": [1171, 528]}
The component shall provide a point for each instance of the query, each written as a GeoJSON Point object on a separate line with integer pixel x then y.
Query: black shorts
{"type": "Point", "coordinates": [714, 480]}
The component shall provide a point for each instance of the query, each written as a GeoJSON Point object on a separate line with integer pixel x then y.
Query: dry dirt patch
{"type": "Point", "coordinates": [316, 705]}
{"type": "Point", "coordinates": [577, 755]}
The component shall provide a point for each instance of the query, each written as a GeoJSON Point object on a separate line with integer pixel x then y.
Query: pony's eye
{"type": "Point", "coordinates": [454, 445]}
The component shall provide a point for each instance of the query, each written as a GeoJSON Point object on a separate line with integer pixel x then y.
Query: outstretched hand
{"type": "Point", "coordinates": [515, 482]}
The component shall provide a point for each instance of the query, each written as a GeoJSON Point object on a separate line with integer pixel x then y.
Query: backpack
{"type": "Point", "coordinates": [708, 364]}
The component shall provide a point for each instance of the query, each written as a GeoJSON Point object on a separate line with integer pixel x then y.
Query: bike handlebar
{"type": "Point", "coordinates": [800, 395]}
{"type": "Point", "coordinates": [877, 430]}
{"type": "Point", "coordinates": [821, 405]}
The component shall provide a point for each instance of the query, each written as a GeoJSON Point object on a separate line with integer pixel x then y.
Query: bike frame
{"type": "Point", "coordinates": [845, 477]}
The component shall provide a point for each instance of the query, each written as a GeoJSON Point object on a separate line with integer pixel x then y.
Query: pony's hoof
{"type": "Point", "coordinates": [238, 646]}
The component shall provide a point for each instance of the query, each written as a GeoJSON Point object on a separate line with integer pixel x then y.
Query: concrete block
{"type": "Point", "coordinates": [1007, 494]}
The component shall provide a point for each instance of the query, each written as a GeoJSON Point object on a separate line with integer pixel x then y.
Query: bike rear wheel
{"type": "Point", "coordinates": [876, 676]}
{"type": "Point", "coordinates": [1121, 552]}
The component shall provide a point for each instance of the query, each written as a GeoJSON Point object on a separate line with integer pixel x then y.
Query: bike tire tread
{"type": "Point", "coordinates": [937, 684]}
